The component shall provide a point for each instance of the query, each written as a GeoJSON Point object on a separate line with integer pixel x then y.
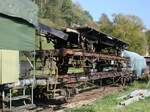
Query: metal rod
{"type": "Point", "coordinates": [30, 63]}
{"type": "Point", "coordinates": [24, 91]}
{"type": "Point", "coordinates": [32, 92]}
{"type": "Point", "coordinates": [3, 97]}
{"type": "Point", "coordinates": [10, 103]}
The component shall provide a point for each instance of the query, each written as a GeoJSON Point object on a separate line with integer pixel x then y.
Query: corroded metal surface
{"type": "Point", "coordinates": [81, 53]}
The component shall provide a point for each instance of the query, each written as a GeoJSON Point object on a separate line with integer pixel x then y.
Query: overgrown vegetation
{"type": "Point", "coordinates": [65, 13]}
{"type": "Point", "coordinates": [148, 40]}
{"type": "Point", "coordinates": [109, 103]}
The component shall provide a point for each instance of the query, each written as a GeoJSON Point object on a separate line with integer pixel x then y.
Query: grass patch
{"type": "Point", "coordinates": [109, 103]}
{"type": "Point", "coordinates": [75, 70]}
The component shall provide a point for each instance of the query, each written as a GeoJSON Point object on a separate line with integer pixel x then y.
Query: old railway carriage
{"type": "Point", "coordinates": [81, 58]}
{"type": "Point", "coordinates": [18, 19]}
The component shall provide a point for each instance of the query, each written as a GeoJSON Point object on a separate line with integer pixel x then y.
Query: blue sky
{"type": "Point", "coordinates": [140, 8]}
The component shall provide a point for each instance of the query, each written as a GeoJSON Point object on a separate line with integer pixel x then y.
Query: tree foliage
{"type": "Point", "coordinates": [104, 24]}
{"type": "Point", "coordinates": [148, 40]}
{"type": "Point", "coordinates": [64, 13]}
{"type": "Point", "coordinates": [126, 27]}
{"type": "Point", "coordinates": [129, 28]}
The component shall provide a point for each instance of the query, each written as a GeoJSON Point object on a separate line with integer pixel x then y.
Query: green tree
{"type": "Point", "coordinates": [82, 17]}
{"type": "Point", "coordinates": [88, 15]}
{"type": "Point", "coordinates": [67, 11]}
{"type": "Point", "coordinates": [104, 24]}
{"type": "Point", "coordinates": [148, 40]}
{"type": "Point", "coordinates": [129, 28]}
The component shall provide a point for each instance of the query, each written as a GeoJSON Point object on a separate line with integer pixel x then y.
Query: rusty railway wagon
{"type": "Point", "coordinates": [81, 59]}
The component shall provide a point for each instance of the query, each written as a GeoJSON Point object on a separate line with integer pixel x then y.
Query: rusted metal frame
{"type": "Point", "coordinates": [97, 75]}
{"type": "Point", "coordinates": [101, 75]}
{"type": "Point", "coordinates": [74, 52]}
{"type": "Point", "coordinates": [70, 52]}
